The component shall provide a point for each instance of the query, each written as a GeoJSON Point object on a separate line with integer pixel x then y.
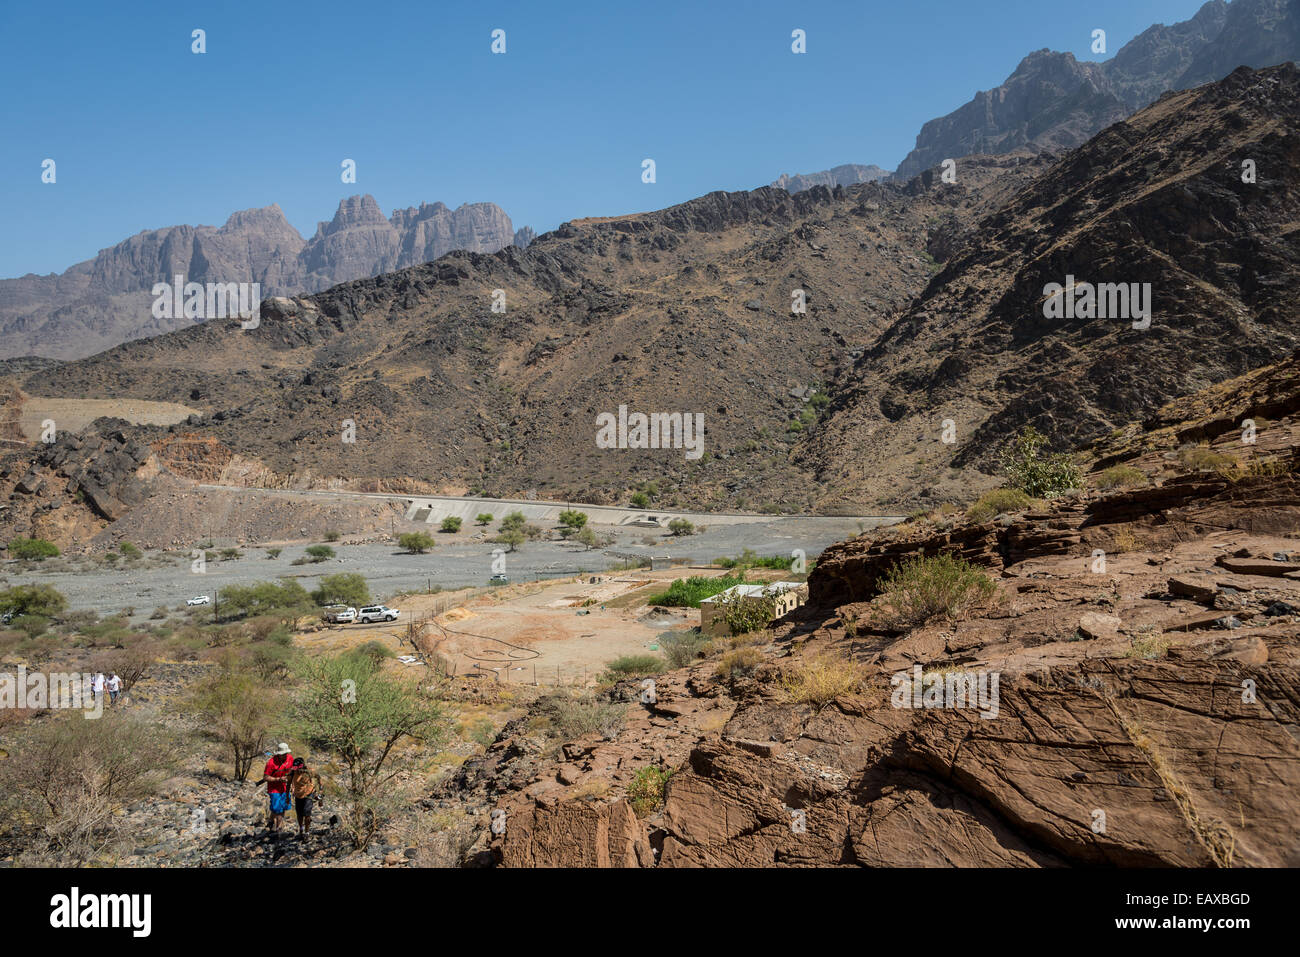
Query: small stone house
{"type": "Point", "coordinates": [788, 595]}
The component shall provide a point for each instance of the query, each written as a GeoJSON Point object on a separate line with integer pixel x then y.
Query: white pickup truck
{"type": "Point", "coordinates": [339, 615]}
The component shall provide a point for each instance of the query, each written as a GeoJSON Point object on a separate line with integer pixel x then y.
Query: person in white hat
{"type": "Point", "coordinates": [279, 764]}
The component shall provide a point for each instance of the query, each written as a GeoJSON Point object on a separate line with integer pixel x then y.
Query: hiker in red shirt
{"type": "Point", "coordinates": [276, 779]}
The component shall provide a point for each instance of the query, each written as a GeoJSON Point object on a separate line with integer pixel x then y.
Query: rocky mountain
{"type": "Point", "coordinates": [106, 300]}
{"type": "Point", "coordinates": [1077, 718]}
{"type": "Point", "coordinates": [847, 175]}
{"type": "Point", "coordinates": [926, 315]}
{"type": "Point", "coordinates": [524, 236]}
{"type": "Point", "coordinates": [1193, 200]}
{"type": "Point", "coordinates": [686, 310]}
{"type": "Point", "coordinates": [1052, 101]}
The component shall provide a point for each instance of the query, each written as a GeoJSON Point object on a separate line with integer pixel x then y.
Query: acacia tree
{"type": "Point", "coordinates": [347, 707]}
{"type": "Point", "coordinates": [239, 710]}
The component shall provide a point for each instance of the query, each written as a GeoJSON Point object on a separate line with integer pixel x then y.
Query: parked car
{"type": "Point", "coordinates": [200, 600]}
{"type": "Point", "coordinates": [372, 613]}
{"type": "Point", "coordinates": [498, 580]}
{"type": "Point", "coordinates": [339, 614]}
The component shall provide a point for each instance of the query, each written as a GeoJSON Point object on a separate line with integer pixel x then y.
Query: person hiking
{"type": "Point", "coordinates": [276, 778]}
{"type": "Point", "coordinates": [97, 687]}
{"type": "Point", "coordinates": [305, 789]}
{"type": "Point", "coordinates": [114, 688]}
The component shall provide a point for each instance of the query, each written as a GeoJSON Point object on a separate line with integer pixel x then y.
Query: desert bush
{"type": "Point", "coordinates": [738, 663]}
{"type": "Point", "coordinates": [416, 543]}
{"type": "Point", "coordinates": [633, 666]}
{"type": "Point", "coordinates": [131, 662]}
{"type": "Point", "coordinates": [639, 500]}
{"type": "Point", "coordinates": [346, 588]}
{"type": "Point", "coordinates": [1202, 457]}
{"type": "Point", "coordinates": [572, 521]}
{"type": "Point", "coordinates": [451, 523]}
{"type": "Point", "coordinates": [331, 536]}
{"type": "Point", "coordinates": [513, 537]}
{"type": "Point", "coordinates": [819, 680]}
{"type": "Point", "coordinates": [129, 551]}
{"type": "Point", "coordinates": [745, 614]}
{"type": "Point", "coordinates": [1120, 476]}
{"type": "Point", "coordinates": [568, 716]}
{"type": "Point", "coordinates": [319, 553]}
{"type": "Point", "coordinates": [273, 552]}
{"type": "Point", "coordinates": [680, 526]}
{"type": "Point", "coordinates": [682, 648]}
{"type": "Point", "coordinates": [348, 708]}
{"type": "Point", "coordinates": [238, 709]}
{"type": "Point", "coordinates": [646, 790]}
{"type": "Point", "coordinates": [33, 626]}
{"type": "Point", "coordinates": [74, 777]}
{"type": "Point", "coordinates": [374, 651]}
{"type": "Point", "coordinates": [1035, 471]}
{"type": "Point", "coordinates": [32, 549]}
{"type": "Point", "coordinates": [483, 518]}
{"type": "Point", "coordinates": [997, 501]}
{"type": "Point", "coordinates": [920, 588]}
{"type": "Point", "coordinates": [44, 600]}
{"type": "Point", "coordinates": [285, 598]}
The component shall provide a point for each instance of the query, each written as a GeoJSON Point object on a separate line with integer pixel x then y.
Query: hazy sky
{"type": "Point", "coordinates": [147, 134]}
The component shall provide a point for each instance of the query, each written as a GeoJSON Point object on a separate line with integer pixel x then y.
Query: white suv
{"type": "Point", "coordinates": [373, 613]}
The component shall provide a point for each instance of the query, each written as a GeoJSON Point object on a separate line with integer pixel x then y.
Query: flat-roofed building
{"type": "Point", "coordinates": [787, 597]}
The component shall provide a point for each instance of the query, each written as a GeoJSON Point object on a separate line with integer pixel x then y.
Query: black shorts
{"type": "Point", "coordinates": [302, 806]}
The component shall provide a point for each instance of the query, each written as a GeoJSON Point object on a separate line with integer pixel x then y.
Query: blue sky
{"type": "Point", "coordinates": [147, 134]}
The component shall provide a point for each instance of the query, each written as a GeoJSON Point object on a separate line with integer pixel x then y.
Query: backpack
{"type": "Point", "coordinates": [301, 784]}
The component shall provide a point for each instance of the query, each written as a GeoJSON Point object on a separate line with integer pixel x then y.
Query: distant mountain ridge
{"type": "Point", "coordinates": [849, 174]}
{"type": "Point", "coordinates": [104, 301]}
{"type": "Point", "coordinates": [1053, 101]}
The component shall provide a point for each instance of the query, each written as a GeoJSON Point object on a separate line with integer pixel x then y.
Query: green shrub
{"type": "Point", "coordinates": [682, 648]}
{"type": "Point", "coordinates": [416, 543]}
{"type": "Point", "coordinates": [230, 554]}
{"type": "Point", "coordinates": [319, 553]}
{"type": "Point", "coordinates": [1198, 457]}
{"type": "Point", "coordinates": [572, 521]}
{"type": "Point", "coordinates": [451, 523]}
{"type": "Point", "coordinates": [917, 589]}
{"type": "Point", "coordinates": [639, 500]}
{"type": "Point", "coordinates": [646, 791]}
{"type": "Point", "coordinates": [32, 549]}
{"type": "Point", "coordinates": [33, 626]}
{"type": "Point", "coordinates": [568, 716]}
{"type": "Point", "coordinates": [346, 588]}
{"type": "Point", "coordinates": [1034, 470]}
{"type": "Point", "coordinates": [273, 552]}
{"type": "Point", "coordinates": [1120, 476]}
{"type": "Point", "coordinates": [633, 666]}
{"type": "Point", "coordinates": [44, 600]}
{"type": "Point", "coordinates": [129, 551]}
{"type": "Point", "coordinates": [996, 502]}
{"type": "Point", "coordinates": [483, 518]}
{"type": "Point", "coordinates": [283, 598]}
{"type": "Point", "coordinates": [739, 662]}
{"type": "Point", "coordinates": [332, 536]}
{"type": "Point", "coordinates": [745, 614]}
{"type": "Point", "coordinates": [689, 592]}
{"type": "Point", "coordinates": [680, 526]}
